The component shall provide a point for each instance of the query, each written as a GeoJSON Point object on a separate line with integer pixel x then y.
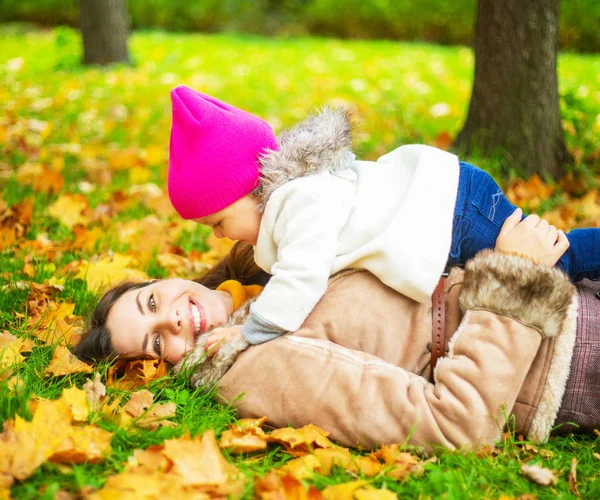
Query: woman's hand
{"type": "Point", "coordinates": [221, 335]}
{"type": "Point", "coordinates": [532, 238]}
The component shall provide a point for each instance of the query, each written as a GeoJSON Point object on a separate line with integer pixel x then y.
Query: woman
{"type": "Point", "coordinates": [359, 365]}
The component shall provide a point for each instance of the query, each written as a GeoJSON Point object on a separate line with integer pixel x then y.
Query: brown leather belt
{"type": "Point", "coordinates": [438, 331]}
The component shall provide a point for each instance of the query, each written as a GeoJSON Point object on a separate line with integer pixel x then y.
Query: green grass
{"type": "Point", "coordinates": [393, 87]}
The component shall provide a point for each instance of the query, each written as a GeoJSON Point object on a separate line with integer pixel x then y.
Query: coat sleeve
{"type": "Point", "coordinates": [365, 401]}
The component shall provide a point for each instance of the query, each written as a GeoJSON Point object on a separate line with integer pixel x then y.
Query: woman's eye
{"type": "Point", "coordinates": [157, 345]}
{"type": "Point", "coordinates": [151, 303]}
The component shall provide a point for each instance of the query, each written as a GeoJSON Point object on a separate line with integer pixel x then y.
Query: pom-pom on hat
{"type": "Point", "coordinates": [214, 153]}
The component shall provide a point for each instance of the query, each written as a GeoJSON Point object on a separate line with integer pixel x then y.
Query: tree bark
{"type": "Point", "coordinates": [104, 29]}
{"type": "Point", "coordinates": [514, 109]}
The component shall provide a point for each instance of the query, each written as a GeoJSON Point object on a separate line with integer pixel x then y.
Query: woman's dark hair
{"type": "Point", "coordinates": [238, 265]}
{"type": "Point", "coordinates": [95, 345]}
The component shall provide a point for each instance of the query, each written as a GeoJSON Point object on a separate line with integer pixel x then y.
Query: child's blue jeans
{"type": "Point", "coordinates": [481, 209]}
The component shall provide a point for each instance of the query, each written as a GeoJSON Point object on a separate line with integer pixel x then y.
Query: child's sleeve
{"type": "Point", "coordinates": [306, 235]}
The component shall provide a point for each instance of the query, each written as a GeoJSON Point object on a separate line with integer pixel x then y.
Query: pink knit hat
{"type": "Point", "coordinates": [214, 153]}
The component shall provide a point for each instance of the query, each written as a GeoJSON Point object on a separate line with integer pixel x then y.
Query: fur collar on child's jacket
{"type": "Point", "coordinates": [321, 141]}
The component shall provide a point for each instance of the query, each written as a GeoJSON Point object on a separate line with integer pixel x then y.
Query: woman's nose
{"type": "Point", "coordinates": [171, 322]}
{"type": "Point", "coordinates": [218, 232]}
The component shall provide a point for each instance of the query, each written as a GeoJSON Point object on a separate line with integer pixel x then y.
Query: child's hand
{"type": "Point", "coordinates": [221, 335]}
{"type": "Point", "coordinates": [532, 238]}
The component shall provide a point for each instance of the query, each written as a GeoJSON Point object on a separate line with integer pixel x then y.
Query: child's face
{"type": "Point", "coordinates": [239, 221]}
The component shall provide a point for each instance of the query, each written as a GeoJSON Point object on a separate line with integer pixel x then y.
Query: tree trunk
{"type": "Point", "coordinates": [104, 29]}
{"type": "Point", "coordinates": [514, 109]}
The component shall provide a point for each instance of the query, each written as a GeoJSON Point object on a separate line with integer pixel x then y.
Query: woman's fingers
{"type": "Point", "coordinates": [543, 226]}
{"type": "Point", "coordinates": [511, 222]}
{"type": "Point", "coordinates": [552, 236]}
{"type": "Point", "coordinates": [531, 220]}
{"type": "Point", "coordinates": [562, 243]}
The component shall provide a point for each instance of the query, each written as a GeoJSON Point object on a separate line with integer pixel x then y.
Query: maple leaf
{"type": "Point", "coordinates": [374, 494]}
{"type": "Point", "coordinates": [86, 444]}
{"type": "Point", "coordinates": [301, 441]}
{"type": "Point", "coordinates": [108, 271]}
{"type": "Point", "coordinates": [148, 415]}
{"type": "Point", "coordinates": [322, 460]}
{"type": "Point", "coordinates": [302, 467]}
{"type": "Point", "coordinates": [343, 491]}
{"type": "Point", "coordinates": [178, 468]}
{"type": "Point", "coordinates": [148, 234]}
{"type": "Point", "coordinates": [77, 402]}
{"type": "Point", "coordinates": [63, 363]}
{"type": "Point", "coordinates": [48, 436]}
{"type": "Point", "coordinates": [239, 442]}
{"type": "Point", "coordinates": [68, 209]}
{"type": "Point", "coordinates": [245, 436]}
{"type": "Point", "coordinates": [400, 463]}
{"type": "Point", "coordinates": [135, 373]}
{"type": "Point", "coordinates": [42, 178]}
{"type": "Point", "coordinates": [276, 487]}
{"type": "Point", "coordinates": [10, 351]}
{"type": "Point", "coordinates": [15, 222]}
{"type": "Point", "coordinates": [530, 192]}
{"type": "Point", "coordinates": [123, 159]}
{"type": "Point", "coordinates": [341, 457]}
{"type": "Point", "coordinates": [85, 239]}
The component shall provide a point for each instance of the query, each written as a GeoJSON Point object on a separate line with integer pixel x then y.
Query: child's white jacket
{"type": "Point", "coordinates": [392, 217]}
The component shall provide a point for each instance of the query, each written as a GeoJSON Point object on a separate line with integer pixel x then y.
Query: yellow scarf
{"type": "Point", "coordinates": [240, 293]}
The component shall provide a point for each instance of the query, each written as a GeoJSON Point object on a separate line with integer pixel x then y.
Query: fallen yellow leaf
{"type": "Point", "coordinates": [63, 363]}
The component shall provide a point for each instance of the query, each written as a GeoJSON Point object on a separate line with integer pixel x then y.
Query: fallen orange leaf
{"type": "Point", "coordinates": [187, 469]}
{"type": "Point", "coordinates": [135, 373]}
{"type": "Point", "coordinates": [276, 487]}
{"type": "Point", "coordinates": [64, 363]}
{"type": "Point", "coordinates": [301, 441]}
{"type": "Point", "coordinates": [148, 415]}
{"type": "Point", "coordinates": [245, 436]}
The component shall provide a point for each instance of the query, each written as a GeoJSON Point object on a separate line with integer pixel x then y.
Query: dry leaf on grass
{"type": "Point", "coordinates": [110, 270]}
{"type": "Point", "coordinates": [147, 415]}
{"type": "Point", "coordinates": [276, 487]}
{"type": "Point", "coordinates": [343, 491]}
{"type": "Point", "coordinates": [130, 374]}
{"type": "Point", "coordinates": [77, 402]}
{"type": "Point", "coordinates": [50, 435]}
{"type": "Point", "coordinates": [10, 351]}
{"type": "Point", "coordinates": [400, 463]}
{"type": "Point", "coordinates": [95, 392]}
{"type": "Point", "coordinates": [245, 436]}
{"type": "Point", "coordinates": [64, 363]}
{"type": "Point", "coordinates": [69, 208]}
{"type": "Point", "coordinates": [178, 468]}
{"type": "Point", "coordinates": [539, 474]}
{"type": "Point", "coordinates": [322, 460]}
{"type": "Point", "coordinates": [573, 478]}
{"type": "Point", "coordinates": [301, 441]}
{"type": "Point", "coordinates": [374, 494]}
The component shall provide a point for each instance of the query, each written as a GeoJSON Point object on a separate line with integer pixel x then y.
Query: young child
{"type": "Point", "coordinates": [310, 208]}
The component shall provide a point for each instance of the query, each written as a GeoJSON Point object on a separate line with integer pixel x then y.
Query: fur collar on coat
{"type": "Point", "coordinates": [321, 141]}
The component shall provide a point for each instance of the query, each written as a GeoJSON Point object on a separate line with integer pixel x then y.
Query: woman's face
{"type": "Point", "coordinates": [163, 319]}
